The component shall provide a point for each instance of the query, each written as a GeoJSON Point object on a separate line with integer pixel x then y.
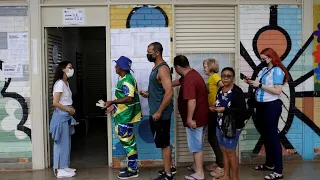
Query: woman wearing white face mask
{"type": "Point", "coordinates": [62, 122]}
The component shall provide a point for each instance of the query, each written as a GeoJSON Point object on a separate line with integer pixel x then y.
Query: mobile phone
{"type": "Point", "coordinates": [242, 76]}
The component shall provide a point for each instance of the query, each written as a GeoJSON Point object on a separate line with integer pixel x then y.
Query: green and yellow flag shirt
{"type": "Point", "coordinates": [128, 112]}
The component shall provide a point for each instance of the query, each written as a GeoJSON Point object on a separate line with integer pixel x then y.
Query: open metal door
{"type": "Point", "coordinates": [53, 55]}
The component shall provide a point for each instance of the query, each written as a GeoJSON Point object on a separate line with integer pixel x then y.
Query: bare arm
{"type": "Point", "coordinates": [175, 83]}
{"type": "Point", "coordinates": [56, 99]}
{"type": "Point", "coordinates": [277, 89]}
{"type": "Point", "coordinates": [124, 100]}
{"type": "Point", "coordinates": [191, 108]}
{"type": "Point", "coordinates": [220, 84]}
{"type": "Point", "coordinates": [164, 75]}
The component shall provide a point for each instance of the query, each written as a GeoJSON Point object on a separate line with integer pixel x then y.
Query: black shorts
{"type": "Point", "coordinates": [161, 132]}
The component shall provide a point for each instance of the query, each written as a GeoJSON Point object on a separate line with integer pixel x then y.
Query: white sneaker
{"type": "Point", "coordinates": [62, 173]}
{"type": "Point", "coordinates": [70, 169]}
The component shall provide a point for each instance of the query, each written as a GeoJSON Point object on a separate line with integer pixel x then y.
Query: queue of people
{"type": "Point", "coordinates": [218, 106]}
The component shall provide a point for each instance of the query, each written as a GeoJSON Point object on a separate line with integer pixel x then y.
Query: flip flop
{"type": "Point", "coordinates": [190, 168]}
{"type": "Point", "coordinates": [192, 178]}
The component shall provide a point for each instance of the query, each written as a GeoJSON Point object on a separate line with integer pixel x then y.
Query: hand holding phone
{"type": "Point", "coordinates": [244, 78]}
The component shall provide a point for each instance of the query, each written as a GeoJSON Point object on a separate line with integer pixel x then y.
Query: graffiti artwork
{"type": "Point", "coordinates": [274, 36]}
{"type": "Point", "coordinates": [14, 99]}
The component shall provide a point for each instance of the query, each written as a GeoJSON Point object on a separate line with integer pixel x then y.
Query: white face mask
{"type": "Point", "coordinates": [70, 73]}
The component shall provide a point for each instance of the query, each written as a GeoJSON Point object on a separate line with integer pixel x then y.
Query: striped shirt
{"type": "Point", "coordinates": [273, 77]}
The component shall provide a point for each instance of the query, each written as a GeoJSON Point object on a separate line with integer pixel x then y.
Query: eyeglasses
{"type": "Point", "coordinates": [264, 59]}
{"type": "Point", "coordinates": [226, 76]}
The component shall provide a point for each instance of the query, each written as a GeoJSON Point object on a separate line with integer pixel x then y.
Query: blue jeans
{"type": "Point", "coordinates": [195, 138]}
{"type": "Point", "coordinates": [62, 148]}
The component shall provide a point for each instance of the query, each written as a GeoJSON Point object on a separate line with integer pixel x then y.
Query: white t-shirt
{"type": "Point", "coordinates": [66, 95]}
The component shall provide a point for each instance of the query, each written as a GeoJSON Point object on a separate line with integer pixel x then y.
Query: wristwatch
{"type": "Point", "coordinates": [260, 85]}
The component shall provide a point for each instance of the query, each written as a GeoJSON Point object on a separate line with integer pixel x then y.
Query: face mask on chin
{"type": "Point", "coordinates": [150, 58]}
{"type": "Point", "coordinates": [70, 73]}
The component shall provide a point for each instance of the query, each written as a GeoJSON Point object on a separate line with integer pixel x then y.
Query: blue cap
{"type": "Point", "coordinates": [124, 63]}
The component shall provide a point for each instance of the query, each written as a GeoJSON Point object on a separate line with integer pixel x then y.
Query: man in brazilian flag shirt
{"type": "Point", "coordinates": [126, 111]}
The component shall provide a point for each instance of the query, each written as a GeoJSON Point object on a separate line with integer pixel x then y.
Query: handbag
{"type": "Point", "coordinates": [252, 102]}
{"type": "Point", "coordinates": [228, 126]}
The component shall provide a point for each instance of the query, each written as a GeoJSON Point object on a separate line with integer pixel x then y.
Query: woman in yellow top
{"type": "Point", "coordinates": [211, 69]}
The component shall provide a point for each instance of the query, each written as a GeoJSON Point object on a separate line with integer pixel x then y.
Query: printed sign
{"type": "Point", "coordinates": [18, 49]}
{"type": "Point", "coordinates": [73, 16]}
{"type": "Point", "coordinates": [12, 70]}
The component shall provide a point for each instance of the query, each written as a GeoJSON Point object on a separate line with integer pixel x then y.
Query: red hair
{"type": "Point", "coordinates": [276, 61]}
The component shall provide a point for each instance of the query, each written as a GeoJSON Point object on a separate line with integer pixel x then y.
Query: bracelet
{"type": "Point", "coordinates": [260, 85]}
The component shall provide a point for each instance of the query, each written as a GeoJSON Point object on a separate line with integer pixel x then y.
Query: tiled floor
{"type": "Point", "coordinates": [293, 171]}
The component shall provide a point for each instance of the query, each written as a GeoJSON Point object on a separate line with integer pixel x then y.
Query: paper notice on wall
{"type": "Point", "coordinates": [18, 50]}
{"type": "Point", "coordinates": [12, 70]}
{"type": "Point", "coordinates": [73, 16]}
{"type": "Point", "coordinates": [133, 43]}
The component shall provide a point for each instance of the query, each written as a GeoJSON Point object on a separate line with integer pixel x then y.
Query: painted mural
{"type": "Point", "coordinates": [280, 27]}
{"type": "Point", "coordinates": [15, 124]}
{"type": "Point", "coordinates": [140, 16]}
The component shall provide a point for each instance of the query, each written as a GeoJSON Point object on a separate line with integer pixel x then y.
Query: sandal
{"type": "Point", "coordinates": [191, 177]}
{"type": "Point", "coordinates": [190, 168]}
{"type": "Point", "coordinates": [263, 167]}
{"type": "Point", "coordinates": [273, 176]}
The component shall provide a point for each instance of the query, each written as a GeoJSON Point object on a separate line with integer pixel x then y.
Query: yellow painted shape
{"type": "Point", "coordinates": [316, 110]}
{"type": "Point", "coordinates": [299, 103]}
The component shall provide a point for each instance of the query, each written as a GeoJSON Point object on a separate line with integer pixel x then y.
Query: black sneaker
{"type": "Point", "coordinates": [173, 171]}
{"type": "Point", "coordinates": [122, 170]}
{"type": "Point", "coordinates": [128, 175]}
{"type": "Point", "coordinates": [164, 177]}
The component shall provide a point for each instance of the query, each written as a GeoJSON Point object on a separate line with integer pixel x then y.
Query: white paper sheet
{"type": "Point", "coordinates": [73, 16]}
{"type": "Point", "coordinates": [12, 70]}
{"type": "Point", "coordinates": [18, 48]}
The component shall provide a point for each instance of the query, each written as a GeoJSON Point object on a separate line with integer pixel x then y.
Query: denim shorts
{"type": "Point", "coordinates": [195, 138]}
{"type": "Point", "coordinates": [227, 143]}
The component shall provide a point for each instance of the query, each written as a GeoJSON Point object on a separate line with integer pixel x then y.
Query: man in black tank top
{"type": "Point", "coordinates": [160, 93]}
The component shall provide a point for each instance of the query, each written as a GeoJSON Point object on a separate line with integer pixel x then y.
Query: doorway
{"type": "Point", "coordinates": [85, 48]}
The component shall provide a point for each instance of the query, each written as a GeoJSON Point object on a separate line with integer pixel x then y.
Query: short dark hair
{"type": "Point", "coordinates": [157, 47]}
{"type": "Point", "coordinates": [228, 69]}
{"type": "Point", "coordinates": [181, 61]}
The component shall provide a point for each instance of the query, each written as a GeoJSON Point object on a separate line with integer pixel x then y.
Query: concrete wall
{"type": "Point", "coordinates": [15, 123]}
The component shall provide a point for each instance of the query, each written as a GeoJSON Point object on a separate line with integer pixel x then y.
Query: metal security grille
{"type": "Point", "coordinates": [54, 56]}
{"type": "Point", "coordinates": [205, 29]}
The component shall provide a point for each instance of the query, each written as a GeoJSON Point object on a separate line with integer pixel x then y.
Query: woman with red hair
{"type": "Point", "coordinates": [268, 110]}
